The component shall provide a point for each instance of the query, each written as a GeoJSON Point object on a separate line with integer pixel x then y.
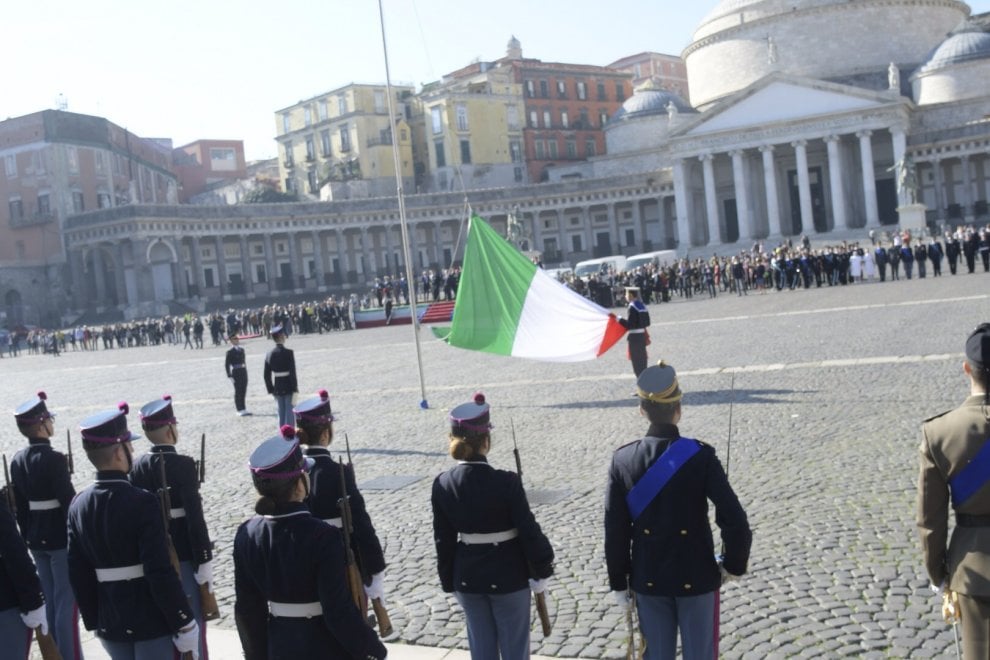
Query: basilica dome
{"type": "Point", "coordinates": [645, 119]}
{"type": "Point", "coordinates": [742, 41]}
{"type": "Point", "coordinates": [957, 69]}
{"type": "Point", "coordinates": [650, 99]}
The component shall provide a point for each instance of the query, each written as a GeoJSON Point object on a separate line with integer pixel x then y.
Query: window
{"type": "Point", "coordinates": [512, 117]}
{"type": "Point", "coordinates": [589, 148]}
{"type": "Point", "coordinates": [601, 92]}
{"type": "Point", "coordinates": [441, 157]}
{"type": "Point", "coordinates": [582, 90]}
{"type": "Point", "coordinates": [530, 89]}
{"type": "Point", "coordinates": [290, 184]}
{"type": "Point", "coordinates": [544, 89]}
{"type": "Point", "coordinates": [288, 154]}
{"type": "Point", "coordinates": [223, 159]}
{"type": "Point", "coordinates": [561, 89]}
{"type": "Point", "coordinates": [16, 208]}
{"type": "Point", "coordinates": [572, 148]}
{"type": "Point", "coordinates": [38, 162]}
{"type": "Point", "coordinates": [325, 144]}
{"type": "Point", "coordinates": [462, 117]}
{"type": "Point", "coordinates": [577, 245]}
{"type": "Point", "coordinates": [260, 275]}
{"type": "Point", "coordinates": [380, 105]}
{"type": "Point", "coordinates": [102, 200]}
{"type": "Point", "coordinates": [44, 204]}
{"type": "Point", "coordinates": [638, 70]}
{"type": "Point", "coordinates": [540, 149]}
{"type": "Point", "coordinates": [436, 115]}
{"type": "Point", "coordinates": [78, 202]}
{"type": "Point", "coordinates": [72, 155]}
{"type": "Point", "coordinates": [345, 138]}
{"type": "Point", "coordinates": [533, 119]}
{"type": "Point", "coordinates": [515, 149]}
{"type": "Point", "coordinates": [310, 148]}
{"type": "Point", "coordinates": [342, 105]}
{"type": "Point", "coordinates": [517, 174]}
{"type": "Point", "coordinates": [564, 121]}
{"type": "Point", "coordinates": [583, 122]}
{"type": "Point", "coordinates": [547, 123]}
{"type": "Point", "coordinates": [466, 152]}
{"type": "Point", "coordinates": [100, 162]}
{"type": "Point", "coordinates": [286, 122]}
{"type": "Point", "coordinates": [620, 92]}
{"type": "Point", "coordinates": [552, 148]}
{"type": "Point", "coordinates": [307, 116]}
{"type": "Point", "coordinates": [321, 110]}
{"type": "Point", "coordinates": [208, 277]}
{"type": "Point", "coordinates": [630, 237]}
{"type": "Point", "coordinates": [311, 176]}
{"type": "Point", "coordinates": [10, 165]}
{"type": "Point", "coordinates": [602, 117]}
{"type": "Point", "coordinates": [385, 136]}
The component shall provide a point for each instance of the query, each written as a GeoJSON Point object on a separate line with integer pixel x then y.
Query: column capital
{"type": "Point", "coordinates": [897, 130]}
{"type": "Point", "coordinates": [799, 144]}
{"type": "Point", "coordinates": [864, 135]}
{"type": "Point", "coordinates": [831, 139]}
{"type": "Point", "coordinates": [706, 158]}
{"type": "Point", "coordinates": [737, 153]}
{"type": "Point", "coordinates": [766, 148]}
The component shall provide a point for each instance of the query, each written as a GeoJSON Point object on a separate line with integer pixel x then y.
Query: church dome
{"type": "Point", "coordinates": [649, 99]}
{"type": "Point", "coordinates": [957, 69]}
{"type": "Point", "coordinates": [966, 46]}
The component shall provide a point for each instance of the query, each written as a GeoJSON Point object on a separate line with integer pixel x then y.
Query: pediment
{"type": "Point", "coordinates": [778, 101]}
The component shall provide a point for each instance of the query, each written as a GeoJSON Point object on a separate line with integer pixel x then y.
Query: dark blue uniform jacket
{"type": "Point", "coordinates": [292, 557]}
{"type": "Point", "coordinates": [189, 533]}
{"type": "Point", "coordinates": [324, 494]}
{"type": "Point", "coordinates": [19, 584]}
{"type": "Point", "coordinates": [40, 473]}
{"type": "Point", "coordinates": [113, 524]}
{"type": "Point", "coordinates": [473, 497]}
{"type": "Point", "coordinates": [668, 550]}
{"type": "Point", "coordinates": [280, 360]}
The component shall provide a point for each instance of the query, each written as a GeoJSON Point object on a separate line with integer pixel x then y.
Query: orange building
{"type": "Point", "coordinates": [667, 71]}
{"type": "Point", "coordinates": [206, 163]}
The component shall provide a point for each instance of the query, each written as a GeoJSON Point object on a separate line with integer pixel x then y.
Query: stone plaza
{"type": "Point", "coordinates": [825, 390]}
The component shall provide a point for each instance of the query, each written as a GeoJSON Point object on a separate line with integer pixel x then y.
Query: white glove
{"type": "Point", "coordinates": [204, 575]}
{"type": "Point", "coordinates": [187, 640]}
{"type": "Point", "coordinates": [937, 589]}
{"type": "Point", "coordinates": [538, 586]}
{"type": "Point", "coordinates": [35, 618]}
{"type": "Point", "coordinates": [377, 587]}
{"type": "Point", "coordinates": [622, 598]}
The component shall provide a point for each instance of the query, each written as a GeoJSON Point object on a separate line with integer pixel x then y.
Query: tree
{"type": "Point", "coordinates": [268, 195]}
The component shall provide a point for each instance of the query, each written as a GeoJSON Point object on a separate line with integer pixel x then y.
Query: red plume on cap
{"type": "Point", "coordinates": [123, 407]}
{"type": "Point", "coordinates": [42, 396]}
{"type": "Point", "coordinates": [287, 431]}
{"type": "Point", "coordinates": [479, 398]}
{"type": "Point", "coordinates": [167, 397]}
{"type": "Point", "coordinates": [323, 394]}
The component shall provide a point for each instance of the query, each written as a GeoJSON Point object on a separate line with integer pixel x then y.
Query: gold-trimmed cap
{"type": "Point", "coordinates": [659, 384]}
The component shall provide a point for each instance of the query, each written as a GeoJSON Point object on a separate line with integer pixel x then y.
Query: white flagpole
{"type": "Point", "coordinates": [410, 280]}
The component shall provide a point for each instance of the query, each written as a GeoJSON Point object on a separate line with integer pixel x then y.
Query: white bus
{"type": "Point", "coordinates": [585, 269]}
{"type": "Point", "coordinates": [658, 258]}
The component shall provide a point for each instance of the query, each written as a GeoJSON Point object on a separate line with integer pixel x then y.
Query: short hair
{"type": "Point", "coordinates": [101, 456]}
{"type": "Point", "coordinates": [980, 374]}
{"type": "Point", "coordinates": [659, 413]}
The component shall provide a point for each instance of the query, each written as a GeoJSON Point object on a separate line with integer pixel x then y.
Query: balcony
{"type": "Point", "coordinates": [379, 142]}
{"type": "Point", "coordinates": [35, 219]}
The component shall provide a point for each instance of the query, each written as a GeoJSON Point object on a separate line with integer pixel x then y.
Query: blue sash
{"type": "Point", "coordinates": [650, 484]}
{"type": "Point", "coordinates": [972, 477]}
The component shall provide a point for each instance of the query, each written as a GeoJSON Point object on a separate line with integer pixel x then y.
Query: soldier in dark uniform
{"type": "Point", "coordinates": [292, 599]}
{"type": "Point", "coordinates": [636, 322]}
{"type": "Point", "coordinates": [119, 566]}
{"type": "Point", "coordinates": [22, 603]}
{"type": "Point", "coordinates": [881, 260]}
{"type": "Point", "coordinates": [187, 526]}
{"type": "Point", "coordinates": [236, 368]}
{"type": "Point", "coordinates": [935, 256]}
{"type": "Point", "coordinates": [955, 471]}
{"type": "Point", "coordinates": [490, 549]}
{"type": "Point", "coordinates": [314, 420]}
{"type": "Point", "coordinates": [658, 542]}
{"type": "Point", "coordinates": [280, 376]}
{"type": "Point", "coordinates": [43, 491]}
{"type": "Point", "coordinates": [952, 250]}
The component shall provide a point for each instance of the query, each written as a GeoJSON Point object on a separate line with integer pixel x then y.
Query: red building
{"type": "Point", "coordinates": [205, 163]}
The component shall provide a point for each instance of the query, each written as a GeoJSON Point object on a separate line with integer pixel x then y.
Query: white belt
{"type": "Point", "coordinates": [280, 374]}
{"type": "Point", "coordinates": [494, 537]}
{"type": "Point", "coordinates": [43, 505]}
{"type": "Point", "coordinates": [177, 513]}
{"type": "Point", "coordinates": [636, 332]}
{"type": "Point", "coordinates": [336, 522]}
{"type": "Point", "coordinates": [120, 574]}
{"type": "Point", "coordinates": [295, 610]}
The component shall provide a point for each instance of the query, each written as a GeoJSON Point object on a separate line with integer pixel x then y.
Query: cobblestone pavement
{"type": "Point", "coordinates": [827, 390]}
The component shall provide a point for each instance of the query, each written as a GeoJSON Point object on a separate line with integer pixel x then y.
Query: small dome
{"type": "Point", "coordinates": [649, 99]}
{"type": "Point", "coordinates": [965, 46]}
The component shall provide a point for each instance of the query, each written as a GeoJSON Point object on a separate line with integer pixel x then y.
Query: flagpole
{"type": "Point", "coordinates": [410, 280]}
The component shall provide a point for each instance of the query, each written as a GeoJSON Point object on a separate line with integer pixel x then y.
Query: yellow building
{"type": "Point", "coordinates": [338, 145]}
{"type": "Point", "coordinates": [473, 121]}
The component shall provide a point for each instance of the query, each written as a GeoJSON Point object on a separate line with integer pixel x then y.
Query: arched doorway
{"type": "Point", "coordinates": [160, 257]}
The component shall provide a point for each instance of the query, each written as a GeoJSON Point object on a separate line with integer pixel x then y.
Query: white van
{"type": "Point", "coordinates": [659, 258]}
{"type": "Point", "coordinates": [586, 269]}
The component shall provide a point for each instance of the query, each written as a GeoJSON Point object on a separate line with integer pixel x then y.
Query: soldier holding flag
{"type": "Point", "coordinates": [658, 542]}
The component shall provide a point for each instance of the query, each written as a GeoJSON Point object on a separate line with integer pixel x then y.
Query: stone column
{"type": "Point", "coordinates": [247, 277]}
{"type": "Point", "coordinates": [641, 226]}
{"type": "Point", "coordinates": [118, 275]}
{"type": "Point", "coordinates": [589, 232]}
{"type": "Point", "coordinates": [194, 250]}
{"type": "Point", "coordinates": [711, 199]}
{"type": "Point", "coordinates": [99, 277]}
{"type": "Point", "coordinates": [561, 234]}
{"type": "Point", "coordinates": [770, 183]}
{"type": "Point", "coordinates": [438, 245]}
{"type": "Point", "coordinates": [742, 195]}
{"type": "Point", "coordinates": [537, 242]}
{"type": "Point", "coordinates": [869, 179]}
{"type": "Point", "coordinates": [899, 140]}
{"type": "Point", "coordinates": [270, 273]}
{"type": "Point", "coordinates": [80, 293]}
{"type": "Point", "coordinates": [804, 184]}
{"type": "Point", "coordinates": [613, 228]}
{"type": "Point", "coordinates": [368, 266]}
{"type": "Point", "coordinates": [939, 179]}
{"type": "Point", "coordinates": [681, 206]}
{"type": "Point", "coordinates": [179, 275]}
{"type": "Point", "coordinates": [318, 261]}
{"type": "Point", "coordinates": [294, 265]}
{"type": "Point", "coordinates": [389, 256]}
{"type": "Point", "coordinates": [639, 233]}
{"type": "Point", "coordinates": [221, 267]}
{"type": "Point", "coordinates": [967, 187]}
{"type": "Point", "coordinates": [841, 220]}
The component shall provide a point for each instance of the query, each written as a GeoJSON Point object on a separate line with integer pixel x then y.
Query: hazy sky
{"type": "Point", "coordinates": [221, 68]}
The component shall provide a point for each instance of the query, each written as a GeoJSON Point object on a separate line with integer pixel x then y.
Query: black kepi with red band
{"type": "Point", "coordinates": [471, 417]}
{"type": "Point", "coordinates": [315, 410]}
{"type": "Point", "coordinates": [107, 428]}
{"type": "Point", "coordinates": [279, 457]}
{"type": "Point", "coordinates": [157, 414]}
{"type": "Point", "coordinates": [33, 411]}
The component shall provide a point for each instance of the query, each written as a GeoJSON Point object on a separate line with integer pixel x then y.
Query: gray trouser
{"type": "Point", "coordinates": [497, 623]}
{"type": "Point", "coordinates": [63, 618]}
{"type": "Point", "coordinates": [660, 617]}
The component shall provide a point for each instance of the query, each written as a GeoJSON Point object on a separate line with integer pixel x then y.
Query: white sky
{"type": "Point", "coordinates": [192, 69]}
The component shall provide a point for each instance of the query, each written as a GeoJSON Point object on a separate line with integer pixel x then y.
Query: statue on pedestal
{"type": "Point", "coordinates": [516, 231]}
{"type": "Point", "coordinates": [893, 78]}
{"type": "Point", "coordinates": [907, 180]}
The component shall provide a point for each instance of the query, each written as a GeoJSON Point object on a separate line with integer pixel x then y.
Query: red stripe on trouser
{"type": "Point", "coordinates": [27, 647]}
{"type": "Point", "coordinates": [718, 614]}
{"type": "Point", "coordinates": [202, 641]}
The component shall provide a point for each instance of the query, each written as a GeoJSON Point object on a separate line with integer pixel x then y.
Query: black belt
{"type": "Point", "coordinates": [969, 520]}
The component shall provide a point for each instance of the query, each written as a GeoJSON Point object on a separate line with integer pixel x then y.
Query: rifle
{"type": "Point", "coordinates": [165, 506]}
{"type": "Point", "coordinates": [381, 614]}
{"type": "Point", "coordinates": [541, 598]}
{"type": "Point", "coordinates": [201, 464]}
{"type": "Point", "coordinates": [68, 443]}
{"type": "Point", "coordinates": [353, 575]}
{"type": "Point", "coordinates": [8, 491]}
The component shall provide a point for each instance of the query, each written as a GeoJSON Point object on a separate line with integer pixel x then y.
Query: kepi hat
{"type": "Point", "coordinates": [315, 410]}
{"type": "Point", "coordinates": [978, 346]}
{"type": "Point", "coordinates": [279, 457]}
{"type": "Point", "coordinates": [471, 417]}
{"type": "Point", "coordinates": [157, 414]}
{"type": "Point", "coordinates": [107, 428]}
{"type": "Point", "coordinates": [659, 384]}
{"type": "Point", "coordinates": [33, 411]}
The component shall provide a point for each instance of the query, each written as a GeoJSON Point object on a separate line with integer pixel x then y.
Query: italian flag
{"type": "Point", "coordinates": [508, 306]}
